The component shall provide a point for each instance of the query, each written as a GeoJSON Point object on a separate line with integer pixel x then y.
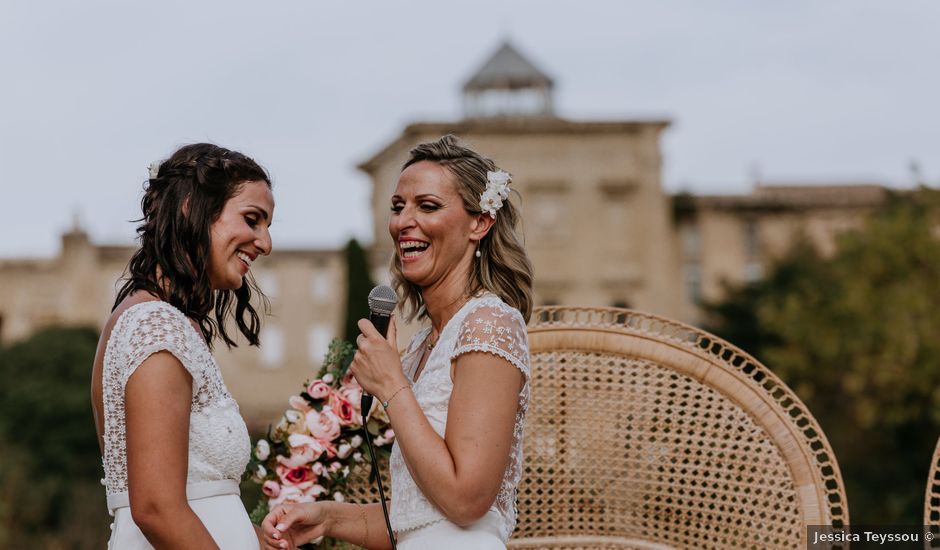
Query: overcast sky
{"type": "Point", "coordinates": [93, 91]}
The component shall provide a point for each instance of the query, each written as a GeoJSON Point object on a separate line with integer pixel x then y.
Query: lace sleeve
{"type": "Point", "coordinates": [497, 329]}
{"type": "Point", "coordinates": [154, 328]}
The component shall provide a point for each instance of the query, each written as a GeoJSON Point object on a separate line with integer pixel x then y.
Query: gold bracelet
{"type": "Point", "coordinates": [365, 523]}
{"type": "Point", "coordinates": [387, 401]}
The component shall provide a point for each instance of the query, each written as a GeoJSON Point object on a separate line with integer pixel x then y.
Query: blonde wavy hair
{"type": "Point", "coordinates": [503, 267]}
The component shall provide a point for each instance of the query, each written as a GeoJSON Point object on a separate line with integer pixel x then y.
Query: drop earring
{"type": "Point", "coordinates": [477, 254]}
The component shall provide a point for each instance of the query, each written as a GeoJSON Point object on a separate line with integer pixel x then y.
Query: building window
{"type": "Point", "coordinates": [272, 347]}
{"type": "Point", "coordinates": [318, 342]}
{"type": "Point", "coordinates": [751, 239]}
{"type": "Point", "coordinates": [267, 282]}
{"type": "Point", "coordinates": [753, 272]}
{"type": "Point", "coordinates": [320, 286]}
{"type": "Point", "coordinates": [692, 273]}
{"type": "Point", "coordinates": [618, 214]}
{"type": "Point", "coordinates": [691, 242]}
{"type": "Point", "coordinates": [546, 210]}
{"type": "Point", "coordinates": [753, 269]}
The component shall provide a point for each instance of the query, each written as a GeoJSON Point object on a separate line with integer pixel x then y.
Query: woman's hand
{"type": "Point", "coordinates": [377, 366]}
{"type": "Point", "coordinates": [290, 525]}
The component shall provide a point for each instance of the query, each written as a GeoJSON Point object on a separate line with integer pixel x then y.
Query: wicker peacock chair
{"type": "Point", "coordinates": [932, 499]}
{"type": "Point", "coordinates": [647, 433]}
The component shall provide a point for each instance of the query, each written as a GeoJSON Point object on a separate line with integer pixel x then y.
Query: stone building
{"type": "Point", "coordinates": [305, 288]}
{"type": "Point", "coordinates": [598, 225]}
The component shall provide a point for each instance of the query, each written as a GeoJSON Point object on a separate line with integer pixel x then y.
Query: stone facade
{"type": "Point", "coordinates": [305, 289]}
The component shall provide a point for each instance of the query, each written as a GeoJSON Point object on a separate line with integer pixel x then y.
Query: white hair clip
{"type": "Point", "coordinates": [497, 190]}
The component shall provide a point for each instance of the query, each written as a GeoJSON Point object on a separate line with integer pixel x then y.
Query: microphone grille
{"type": "Point", "coordinates": [382, 299]}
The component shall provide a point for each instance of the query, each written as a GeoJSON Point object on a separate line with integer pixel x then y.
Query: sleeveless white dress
{"type": "Point", "coordinates": [483, 324]}
{"type": "Point", "coordinates": [219, 446]}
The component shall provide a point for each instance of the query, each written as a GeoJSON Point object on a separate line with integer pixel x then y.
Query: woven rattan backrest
{"type": "Point", "coordinates": [358, 486]}
{"type": "Point", "coordinates": [932, 497]}
{"type": "Point", "coordinates": [646, 433]}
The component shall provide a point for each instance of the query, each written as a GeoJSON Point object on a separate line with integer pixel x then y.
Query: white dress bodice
{"type": "Point", "coordinates": [219, 445]}
{"type": "Point", "coordinates": [483, 324]}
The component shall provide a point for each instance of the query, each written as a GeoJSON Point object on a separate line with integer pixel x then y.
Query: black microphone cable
{"type": "Point", "coordinates": [378, 477]}
{"type": "Point", "coordinates": [382, 302]}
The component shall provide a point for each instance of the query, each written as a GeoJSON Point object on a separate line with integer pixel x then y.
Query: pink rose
{"type": "Point", "coordinates": [295, 459]}
{"type": "Point", "coordinates": [354, 396]}
{"type": "Point", "coordinates": [287, 494]}
{"type": "Point", "coordinates": [349, 382]}
{"type": "Point", "coordinates": [304, 449]}
{"type": "Point", "coordinates": [318, 389]}
{"type": "Point", "coordinates": [299, 403]}
{"type": "Point", "coordinates": [301, 477]}
{"type": "Point", "coordinates": [271, 488]}
{"type": "Point", "coordinates": [323, 425]}
{"type": "Point", "coordinates": [343, 409]}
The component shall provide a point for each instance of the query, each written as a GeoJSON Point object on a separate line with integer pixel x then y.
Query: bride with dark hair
{"type": "Point", "coordinates": [174, 445]}
{"type": "Point", "coordinates": [457, 398]}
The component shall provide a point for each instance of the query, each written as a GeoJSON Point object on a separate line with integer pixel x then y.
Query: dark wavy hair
{"type": "Point", "coordinates": [503, 267]}
{"type": "Point", "coordinates": [179, 206]}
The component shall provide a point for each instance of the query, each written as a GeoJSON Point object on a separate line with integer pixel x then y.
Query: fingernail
{"type": "Point", "coordinates": [279, 526]}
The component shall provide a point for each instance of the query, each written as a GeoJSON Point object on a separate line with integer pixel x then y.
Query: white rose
{"type": "Point", "coordinates": [357, 457]}
{"type": "Point", "coordinates": [262, 449]}
{"type": "Point", "coordinates": [328, 378]}
{"type": "Point", "coordinates": [490, 202]}
{"type": "Point", "coordinates": [499, 177]}
{"type": "Point", "coordinates": [338, 497]}
{"type": "Point", "coordinates": [356, 441]}
{"type": "Point", "coordinates": [259, 474]}
{"type": "Point", "coordinates": [344, 450]}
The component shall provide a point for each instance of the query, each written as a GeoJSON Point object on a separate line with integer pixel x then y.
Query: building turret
{"type": "Point", "coordinates": [508, 85]}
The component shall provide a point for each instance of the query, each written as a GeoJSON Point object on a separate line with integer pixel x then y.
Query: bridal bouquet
{"type": "Point", "coordinates": [318, 442]}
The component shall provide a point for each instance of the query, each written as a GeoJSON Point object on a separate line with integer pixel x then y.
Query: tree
{"type": "Point", "coordinates": [857, 336]}
{"type": "Point", "coordinates": [359, 283]}
{"type": "Point", "coordinates": [50, 496]}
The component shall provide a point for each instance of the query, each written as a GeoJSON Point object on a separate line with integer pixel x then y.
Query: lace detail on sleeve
{"type": "Point", "coordinates": [496, 328]}
{"type": "Point", "coordinates": [160, 328]}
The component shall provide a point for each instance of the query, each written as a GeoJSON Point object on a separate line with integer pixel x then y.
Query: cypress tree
{"type": "Point", "coordinates": [359, 283]}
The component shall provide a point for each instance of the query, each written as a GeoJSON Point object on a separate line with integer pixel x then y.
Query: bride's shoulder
{"type": "Point", "coordinates": [491, 307]}
{"type": "Point", "coordinates": [142, 321]}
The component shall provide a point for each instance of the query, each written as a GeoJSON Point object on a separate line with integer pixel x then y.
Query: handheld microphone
{"type": "Point", "coordinates": [382, 302]}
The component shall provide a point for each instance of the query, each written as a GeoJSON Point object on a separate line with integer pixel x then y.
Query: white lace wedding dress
{"type": "Point", "coordinates": [485, 324]}
{"type": "Point", "coordinates": [219, 445]}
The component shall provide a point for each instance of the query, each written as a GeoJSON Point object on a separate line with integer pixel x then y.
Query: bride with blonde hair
{"type": "Point", "coordinates": [457, 398]}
